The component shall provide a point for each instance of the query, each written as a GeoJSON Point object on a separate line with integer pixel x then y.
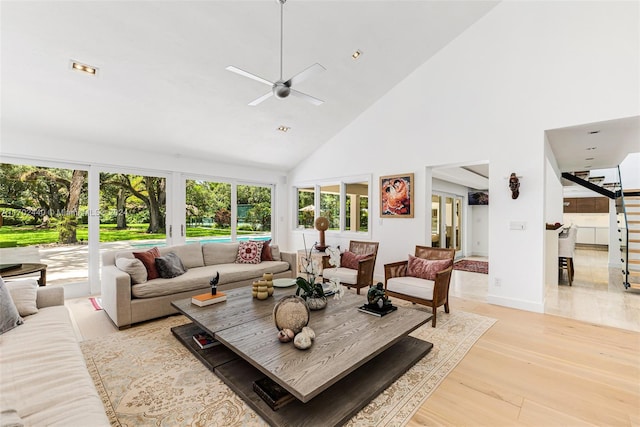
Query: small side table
{"type": "Point", "coordinates": [28, 268]}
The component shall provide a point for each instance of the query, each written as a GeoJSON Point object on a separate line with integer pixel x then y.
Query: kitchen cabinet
{"type": "Point", "coordinates": [586, 205]}
{"type": "Point", "coordinates": [593, 235]}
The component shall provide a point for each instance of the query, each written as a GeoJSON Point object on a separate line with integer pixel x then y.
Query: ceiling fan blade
{"type": "Point", "coordinates": [311, 99]}
{"type": "Point", "coordinates": [262, 98]}
{"type": "Point", "coordinates": [304, 74]}
{"type": "Point", "coordinates": [248, 74]}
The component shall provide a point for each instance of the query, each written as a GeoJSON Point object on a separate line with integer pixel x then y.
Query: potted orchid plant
{"type": "Point", "coordinates": [311, 291]}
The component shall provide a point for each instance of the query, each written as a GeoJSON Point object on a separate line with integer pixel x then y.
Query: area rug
{"type": "Point", "coordinates": [145, 377]}
{"type": "Point", "coordinates": [472, 266]}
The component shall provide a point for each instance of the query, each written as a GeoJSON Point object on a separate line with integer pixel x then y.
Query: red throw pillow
{"type": "Point", "coordinates": [426, 268]}
{"type": "Point", "coordinates": [148, 258]}
{"type": "Point", "coordinates": [266, 254]}
{"type": "Point", "coordinates": [351, 260]}
{"type": "Point", "coordinates": [249, 253]}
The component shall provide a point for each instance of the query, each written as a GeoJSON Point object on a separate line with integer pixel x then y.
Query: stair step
{"type": "Point", "coordinates": [634, 285]}
{"type": "Point", "coordinates": [634, 261]}
{"type": "Point", "coordinates": [634, 273]}
{"type": "Point", "coordinates": [634, 251]}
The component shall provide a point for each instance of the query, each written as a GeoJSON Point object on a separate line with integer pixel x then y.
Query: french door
{"type": "Point", "coordinates": [446, 221]}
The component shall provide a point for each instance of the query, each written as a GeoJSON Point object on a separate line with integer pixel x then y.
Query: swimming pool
{"type": "Point", "coordinates": [162, 243]}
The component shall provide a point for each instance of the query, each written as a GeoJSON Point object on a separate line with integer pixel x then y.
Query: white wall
{"type": "Point", "coordinates": [490, 95]}
{"type": "Point", "coordinates": [479, 230]}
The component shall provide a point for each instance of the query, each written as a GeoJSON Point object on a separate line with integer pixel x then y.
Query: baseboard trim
{"type": "Point", "coordinates": [516, 303]}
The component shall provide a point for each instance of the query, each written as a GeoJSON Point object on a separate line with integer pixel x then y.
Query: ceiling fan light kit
{"type": "Point", "coordinates": [282, 89]}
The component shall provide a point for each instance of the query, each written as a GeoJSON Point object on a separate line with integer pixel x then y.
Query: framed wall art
{"type": "Point", "coordinates": [396, 196]}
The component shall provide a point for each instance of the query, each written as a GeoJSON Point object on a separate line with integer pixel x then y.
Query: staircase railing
{"type": "Point", "coordinates": [623, 230]}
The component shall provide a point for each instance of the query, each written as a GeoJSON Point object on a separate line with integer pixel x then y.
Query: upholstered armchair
{"type": "Point", "coordinates": [423, 279]}
{"type": "Point", "coordinates": [356, 265]}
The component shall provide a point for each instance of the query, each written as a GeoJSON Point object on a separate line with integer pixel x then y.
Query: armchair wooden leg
{"type": "Point", "coordinates": [433, 319]}
{"type": "Point", "coordinates": [446, 307]}
{"type": "Point", "coordinates": [358, 291]}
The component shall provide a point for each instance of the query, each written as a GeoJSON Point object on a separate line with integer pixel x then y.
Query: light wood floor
{"type": "Point", "coordinates": [539, 370]}
{"type": "Point", "coordinates": [528, 369]}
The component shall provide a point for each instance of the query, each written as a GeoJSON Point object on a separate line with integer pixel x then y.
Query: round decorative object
{"type": "Point", "coordinates": [322, 224]}
{"type": "Point", "coordinates": [316, 303]}
{"type": "Point", "coordinates": [267, 276]}
{"type": "Point", "coordinates": [302, 341]}
{"type": "Point", "coordinates": [262, 295]}
{"type": "Point", "coordinates": [291, 312]}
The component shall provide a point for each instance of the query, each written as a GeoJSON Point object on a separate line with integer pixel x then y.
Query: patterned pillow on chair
{"type": "Point", "coordinates": [426, 268]}
{"type": "Point", "coordinates": [351, 260]}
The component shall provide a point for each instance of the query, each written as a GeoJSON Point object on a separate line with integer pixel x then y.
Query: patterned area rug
{"type": "Point", "coordinates": [145, 377]}
{"type": "Point", "coordinates": [473, 266]}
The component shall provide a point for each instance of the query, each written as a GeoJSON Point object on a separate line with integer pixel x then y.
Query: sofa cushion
{"type": "Point", "coordinates": [10, 318]}
{"type": "Point", "coordinates": [148, 258]}
{"type": "Point", "coordinates": [198, 278]}
{"type": "Point", "coordinates": [219, 253]}
{"type": "Point", "coordinates": [266, 255]}
{"type": "Point", "coordinates": [170, 266]}
{"type": "Point", "coordinates": [351, 260]}
{"type": "Point", "coordinates": [24, 294]}
{"type": "Point", "coordinates": [345, 275]}
{"type": "Point", "coordinates": [275, 252]}
{"type": "Point", "coordinates": [190, 254]}
{"type": "Point", "coordinates": [134, 268]}
{"type": "Point", "coordinates": [249, 252]}
{"type": "Point", "coordinates": [413, 286]}
{"type": "Point", "coordinates": [426, 268]}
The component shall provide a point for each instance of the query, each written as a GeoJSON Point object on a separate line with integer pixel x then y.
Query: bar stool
{"type": "Point", "coordinates": [566, 250]}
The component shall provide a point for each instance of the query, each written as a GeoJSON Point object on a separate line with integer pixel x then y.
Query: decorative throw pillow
{"type": "Point", "coordinates": [134, 267]}
{"type": "Point", "coordinates": [24, 294]}
{"type": "Point", "coordinates": [351, 260]}
{"type": "Point", "coordinates": [148, 258]}
{"type": "Point", "coordinates": [9, 316]}
{"type": "Point", "coordinates": [170, 266]}
{"type": "Point", "coordinates": [249, 253]}
{"type": "Point", "coordinates": [266, 254]}
{"type": "Point", "coordinates": [426, 268]}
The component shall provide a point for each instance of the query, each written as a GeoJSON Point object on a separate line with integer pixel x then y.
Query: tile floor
{"type": "Point", "coordinates": [597, 295]}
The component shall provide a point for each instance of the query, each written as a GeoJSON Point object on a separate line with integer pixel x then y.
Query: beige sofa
{"type": "Point", "coordinates": [43, 376]}
{"type": "Point", "coordinates": [128, 303]}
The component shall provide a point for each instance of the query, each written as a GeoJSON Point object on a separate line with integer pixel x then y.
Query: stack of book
{"type": "Point", "coordinates": [272, 393]}
{"type": "Point", "coordinates": [203, 300]}
{"type": "Point", "coordinates": [375, 311]}
{"type": "Point", "coordinates": [204, 340]}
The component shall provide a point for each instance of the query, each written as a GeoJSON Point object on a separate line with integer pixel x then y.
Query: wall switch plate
{"type": "Point", "coordinates": [516, 225]}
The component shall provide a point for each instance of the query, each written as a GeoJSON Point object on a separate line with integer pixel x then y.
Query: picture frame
{"type": "Point", "coordinates": [396, 196]}
{"type": "Point", "coordinates": [478, 198]}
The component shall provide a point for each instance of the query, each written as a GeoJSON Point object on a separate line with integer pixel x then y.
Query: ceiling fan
{"type": "Point", "coordinates": [281, 88]}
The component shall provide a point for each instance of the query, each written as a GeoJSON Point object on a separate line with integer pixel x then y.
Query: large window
{"type": "Point", "coordinates": [357, 206]}
{"type": "Point", "coordinates": [208, 210]}
{"type": "Point", "coordinates": [330, 205]}
{"type": "Point", "coordinates": [253, 211]}
{"type": "Point", "coordinates": [132, 210]}
{"type": "Point", "coordinates": [306, 207]}
{"type": "Point", "coordinates": [344, 203]}
{"type": "Point", "coordinates": [43, 219]}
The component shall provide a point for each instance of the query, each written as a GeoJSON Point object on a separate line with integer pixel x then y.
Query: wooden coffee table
{"type": "Point", "coordinates": [355, 355]}
{"type": "Point", "coordinates": [28, 268]}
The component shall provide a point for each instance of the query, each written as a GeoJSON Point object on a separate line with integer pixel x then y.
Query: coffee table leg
{"type": "Point", "coordinates": [43, 277]}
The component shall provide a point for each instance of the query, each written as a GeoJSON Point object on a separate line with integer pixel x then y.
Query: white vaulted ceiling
{"type": "Point", "coordinates": [162, 83]}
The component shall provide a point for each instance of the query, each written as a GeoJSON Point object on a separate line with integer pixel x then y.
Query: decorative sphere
{"type": "Point", "coordinates": [291, 312]}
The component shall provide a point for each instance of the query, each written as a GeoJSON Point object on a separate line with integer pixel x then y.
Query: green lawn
{"type": "Point", "coordinates": [28, 235]}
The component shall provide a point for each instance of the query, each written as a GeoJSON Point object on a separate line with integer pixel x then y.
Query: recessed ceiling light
{"type": "Point", "coordinates": [593, 132]}
{"type": "Point", "coordinates": [356, 54]}
{"type": "Point", "coordinates": [75, 65]}
{"type": "Point", "coordinates": [591, 148]}
{"type": "Point", "coordinates": [283, 128]}
{"type": "Point", "coordinates": [589, 158]}
{"type": "Point", "coordinates": [588, 167]}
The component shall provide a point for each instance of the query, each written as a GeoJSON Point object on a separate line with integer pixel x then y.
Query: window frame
{"type": "Point", "coordinates": [342, 182]}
